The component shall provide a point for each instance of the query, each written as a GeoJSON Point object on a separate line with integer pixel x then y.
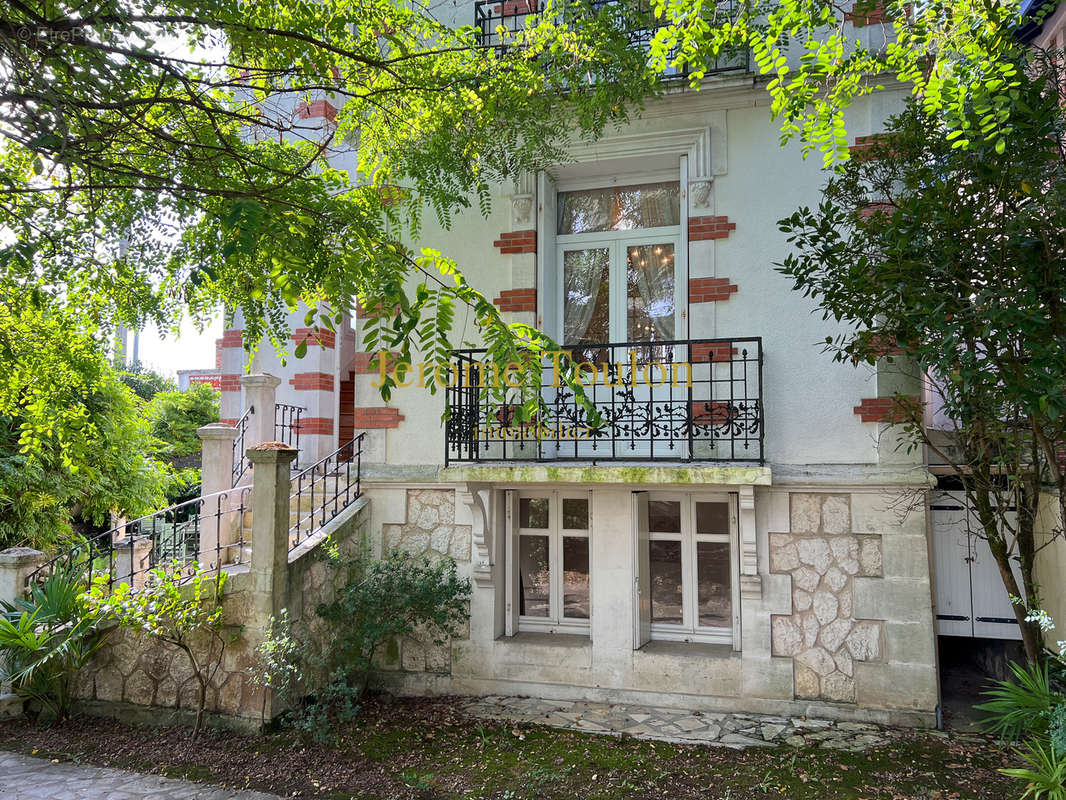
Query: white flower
{"type": "Point", "coordinates": [1041, 618]}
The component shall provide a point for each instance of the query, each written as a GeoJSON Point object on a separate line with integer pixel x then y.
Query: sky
{"type": "Point", "coordinates": [191, 349]}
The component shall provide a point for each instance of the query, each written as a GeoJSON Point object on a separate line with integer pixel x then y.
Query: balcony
{"type": "Point", "coordinates": [512, 15]}
{"type": "Point", "coordinates": [680, 401]}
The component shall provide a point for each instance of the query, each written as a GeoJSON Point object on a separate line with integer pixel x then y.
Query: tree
{"type": "Point", "coordinates": [950, 263]}
{"type": "Point", "coordinates": [175, 416]}
{"type": "Point", "coordinates": [960, 58]}
{"type": "Point", "coordinates": [177, 127]}
{"type": "Point", "coordinates": [146, 383]}
{"type": "Point", "coordinates": [73, 443]}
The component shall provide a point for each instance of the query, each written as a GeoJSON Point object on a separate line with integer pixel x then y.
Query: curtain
{"type": "Point", "coordinates": [651, 279]}
{"type": "Point", "coordinates": [585, 279]}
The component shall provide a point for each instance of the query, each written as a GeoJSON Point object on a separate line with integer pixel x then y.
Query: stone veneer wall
{"type": "Point", "coordinates": [135, 670]}
{"type": "Point", "coordinates": [429, 529]}
{"type": "Point", "coordinates": [822, 634]}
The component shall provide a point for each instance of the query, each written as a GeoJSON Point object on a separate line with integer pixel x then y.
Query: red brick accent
{"type": "Point", "coordinates": [886, 346]}
{"type": "Point", "coordinates": [880, 409]}
{"type": "Point", "coordinates": [517, 300]}
{"type": "Point", "coordinates": [318, 108]}
{"type": "Point", "coordinates": [232, 338]}
{"type": "Point", "coordinates": [870, 209]}
{"type": "Point", "coordinates": [312, 381]}
{"type": "Point", "coordinates": [517, 242]}
{"type": "Point", "coordinates": [228, 421]}
{"type": "Point", "coordinates": [710, 290]}
{"type": "Point", "coordinates": [366, 363]}
{"type": "Point", "coordinates": [366, 418]}
{"type": "Point", "coordinates": [511, 8]}
{"type": "Point", "coordinates": [214, 381]}
{"type": "Point", "coordinates": [715, 412]}
{"type": "Point", "coordinates": [229, 383]}
{"type": "Point", "coordinates": [703, 228]}
{"type": "Point", "coordinates": [314, 336]}
{"type": "Point", "coordinates": [320, 425]}
{"type": "Point", "coordinates": [363, 312]}
{"type": "Point", "coordinates": [712, 351]}
{"type": "Point", "coordinates": [864, 143]}
{"type": "Point", "coordinates": [866, 12]}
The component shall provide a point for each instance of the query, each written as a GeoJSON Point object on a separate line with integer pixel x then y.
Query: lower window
{"type": "Point", "coordinates": [691, 568]}
{"type": "Point", "coordinates": [549, 556]}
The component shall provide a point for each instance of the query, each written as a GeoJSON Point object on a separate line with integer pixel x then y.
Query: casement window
{"type": "Point", "coordinates": [687, 571]}
{"type": "Point", "coordinates": [612, 259]}
{"type": "Point", "coordinates": [548, 561]}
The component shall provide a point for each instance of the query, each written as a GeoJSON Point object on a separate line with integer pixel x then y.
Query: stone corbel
{"type": "Point", "coordinates": [476, 499]}
{"type": "Point", "coordinates": [750, 580]}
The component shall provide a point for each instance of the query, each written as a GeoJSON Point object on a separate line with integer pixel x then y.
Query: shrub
{"type": "Point", "coordinates": [46, 639]}
{"type": "Point", "coordinates": [1021, 707]}
{"type": "Point", "coordinates": [175, 416]}
{"type": "Point", "coordinates": [1046, 774]}
{"type": "Point", "coordinates": [181, 609]}
{"type": "Point", "coordinates": [397, 596]}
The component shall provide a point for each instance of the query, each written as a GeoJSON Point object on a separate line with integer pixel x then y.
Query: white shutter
{"type": "Point", "coordinates": [641, 572]}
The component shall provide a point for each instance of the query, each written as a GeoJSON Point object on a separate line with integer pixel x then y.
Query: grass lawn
{"type": "Point", "coordinates": [426, 749]}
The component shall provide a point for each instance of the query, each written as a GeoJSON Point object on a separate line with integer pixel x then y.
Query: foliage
{"type": "Point", "coordinates": [181, 128]}
{"type": "Point", "coordinates": [322, 683]}
{"type": "Point", "coordinates": [174, 417]}
{"type": "Point", "coordinates": [947, 267]}
{"type": "Point", "coordinates": [46, 639]}
{"type": "Point", "coordinates": [960, 57]}
{"type": "Point", "coordinates": [181, 607]}
{"type": "Point", "coordinates": [1045, 776]}
{"type": "Point", "coordinates": [145, 382]}
{"type": "Point", "coordinates": [72, 441]}
{"type": "Point", "coordinates": [1021, 707]}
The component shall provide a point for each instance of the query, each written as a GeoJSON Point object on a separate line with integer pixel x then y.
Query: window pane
{"type": "Point", "coordinates": [650, 293]}
{"type": "Point", "coordinates": [712, 584]}
{"type": "Point", "coordinates": [533, 576]}
{"type": "Point", "coordinates": [575, 513]}
{"type": "Point", "coordinates": [620, 208]}
{"type": "Point", "coordinates": [665, 562]}
{"type": "Point", "coordinates": [664, 516]}
{"type": "Point", "coordinates": [576, 577]}
{"type": "Point", "coordinates": [533, 512]}
{"type": "Point", "coordinates": [712, 517]}
{"type": "Point", "coordinates": [586, 296]}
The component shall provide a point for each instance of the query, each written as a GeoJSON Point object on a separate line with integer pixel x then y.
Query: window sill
{"type": "Point", "coordinates": [690, 650]}
{"type": "Point", "coordinates": [573, 640]}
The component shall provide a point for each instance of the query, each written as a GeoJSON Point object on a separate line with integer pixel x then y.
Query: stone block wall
{"type": "Point", "coordinates": [844, 648]}
{"type": "Point", "coordinates": [429, 528]}
{"type": "Point", "coordinates": [136, 670]}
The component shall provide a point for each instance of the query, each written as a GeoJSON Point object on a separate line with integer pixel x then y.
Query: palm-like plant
{"type": "Point", "coordinates": [45, 639]}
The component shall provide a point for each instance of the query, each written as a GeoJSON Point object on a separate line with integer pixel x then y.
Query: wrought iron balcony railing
{"type": "Point", "coordinates": [512, 15]}
{"type": "Point", "coordinates": [689, 400]}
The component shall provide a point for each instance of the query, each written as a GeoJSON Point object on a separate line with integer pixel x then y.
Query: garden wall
{"type": "Point", "coordinates": [135, 676]}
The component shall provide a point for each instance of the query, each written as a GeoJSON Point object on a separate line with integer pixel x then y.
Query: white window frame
{"type": "Point", "coordinates": [549, 256]}
{"type": "Point", "coordinates": [690, 630]}
{"type": "Point", "coordinates": [555, 622]}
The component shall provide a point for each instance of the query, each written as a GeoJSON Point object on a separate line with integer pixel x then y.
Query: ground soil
{"type": "Point", "coordinates": [421, 749]}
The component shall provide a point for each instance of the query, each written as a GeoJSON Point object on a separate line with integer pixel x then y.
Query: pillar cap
{"type": "Point", "coordinates": [260, 379]}
{"type": "Point", "coordinates": [271, 453]}
{"type": "Point", "coordinates": [217, 430]}
{"type": "Point", "coordinates": [20, 556]}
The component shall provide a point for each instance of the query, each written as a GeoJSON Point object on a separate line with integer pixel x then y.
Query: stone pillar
{"type": "Point", "coordinates": [271, 488]}
{"type": "Point", "coordinates": [216, 451]}
{"type": "Point", "coordinates": [16, 563]}
{"type": "Point", "coordinates": [260, 393]}
{"type": "Point", "coordinates": [131, 558]}
{"type": "Point", "coordinates": [217, 524]}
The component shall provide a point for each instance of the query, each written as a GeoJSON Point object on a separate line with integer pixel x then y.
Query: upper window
{"type": "Point", "coordinates": [620, 208]}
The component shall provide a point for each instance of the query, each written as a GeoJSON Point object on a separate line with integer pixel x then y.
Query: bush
{"type": "Point", "coordinates": [397, 596]}
{"type": "Point", "coordinates": [174, 417]}
{"type": "Point", "coordinates": [46, 639]}
{"type": "Point", "coordinates": [1022, 706]}
{"type": "Point", "coordinates": [146, 383]}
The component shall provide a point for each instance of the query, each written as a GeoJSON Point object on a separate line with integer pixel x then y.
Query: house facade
{"type": "Point", "coordinates": [731, 537]}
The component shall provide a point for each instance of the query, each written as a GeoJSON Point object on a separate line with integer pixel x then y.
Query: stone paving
{"type": "Point", "coordinates": [28, 778]}
{"type": "Point", "coordinates": [686, 727]}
